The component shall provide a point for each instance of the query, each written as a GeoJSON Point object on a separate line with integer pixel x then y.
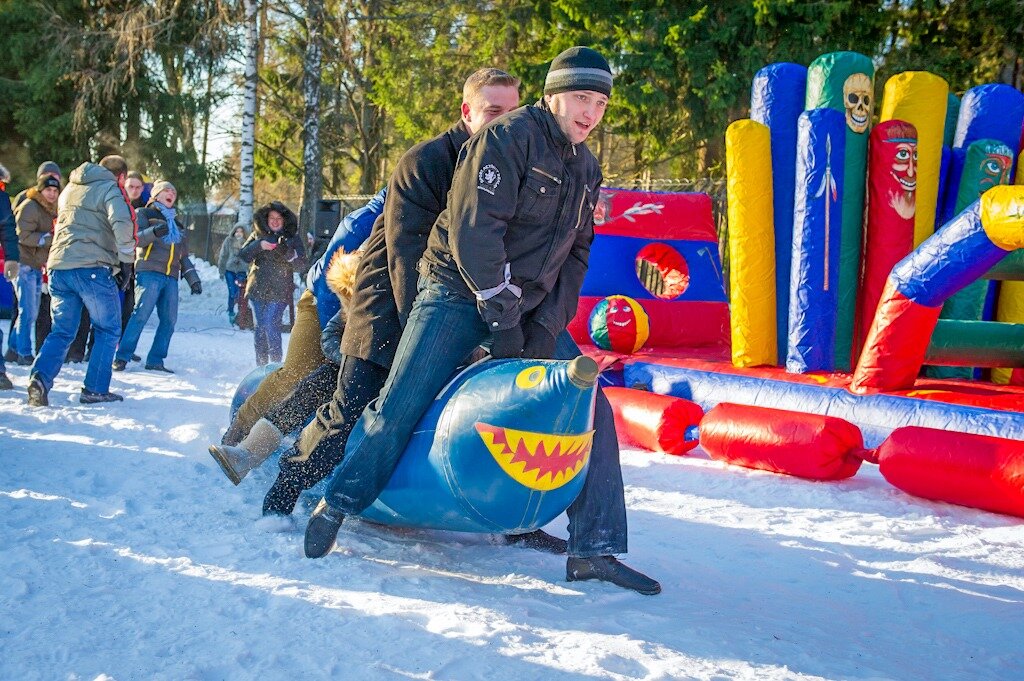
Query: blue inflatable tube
{"type": "Point", "coordinates": [817, 241]}
{"type": "Point", "coordinates": [877, 415]}
{"type": "Point", "coordinates": [991, 111]}
{"type": "Point", "coordinates": [776, 101]}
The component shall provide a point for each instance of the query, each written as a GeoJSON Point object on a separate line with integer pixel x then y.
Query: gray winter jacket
{"type": "Point", "coordinates": [228, 260]}
{"type": "Point", "coordinates": [95, 225]}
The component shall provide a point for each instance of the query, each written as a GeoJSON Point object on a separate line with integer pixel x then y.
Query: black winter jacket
{"type": "Point", "coordinates": [271, 271]}
{"type": "Point", "coordinates": [520, 212]}
{"type": "Point", "coordinates": [386, 280]}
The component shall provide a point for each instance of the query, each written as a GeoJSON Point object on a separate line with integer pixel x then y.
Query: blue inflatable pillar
{"type": "Point", "coordinates": [817, 240]}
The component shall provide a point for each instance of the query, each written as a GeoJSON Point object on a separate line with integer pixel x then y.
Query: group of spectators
{"type": "Point", "coordinates": [95, 260]}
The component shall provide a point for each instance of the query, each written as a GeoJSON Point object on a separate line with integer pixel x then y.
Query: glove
{"type": "Point", "coordinates": [507, 343]}
{"type": "Point", "coordinates": [11, 268]}
{"type": "Point", "coordinates": [196, 287]}
{"type": "Point", "coordinates": [540, 344]}
{"type": "Point", "coordinates": [191, 277]}
{"type": "Point", "coordinates": [124, 276]}
{"type": "Point", "coordinates": [45, 239]}
{"type": "Point", "coordinates": [161, 229]}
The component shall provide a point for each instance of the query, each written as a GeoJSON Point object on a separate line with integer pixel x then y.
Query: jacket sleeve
{"type": "Point", "coordinates": [559, 306]}
{"type": "Point", "coordinates": [8, 231]}
{"type": "Point", "coordinates": [122, 221]}
{"type": "Point", "coordinates": [146, 226]}
{"type": "Point", "coordinates": [30, 224]}
{"type": "Point", "coordinates": [330, 337]}
{"type": "Point", "coordinates": [251, 248]}
{"type": "Point", "coordinates": [483, 198]}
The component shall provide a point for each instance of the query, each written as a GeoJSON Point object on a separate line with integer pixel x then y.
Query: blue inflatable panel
{"type": "Point", "coordinates": [247, 386]}
{"type": "Point", "coordinates": [876, 415]}
{"type": "Point", "coordinates": [776, 101]}
{"type": "Point", "coordinates": [613, 268]}
{"type": "Point", "coordinates": [947, 261]}
{"type": "Point", "coordinates": [817, 232]}
{"type": "Point", "coordinates": [505, 447]}
{"type": "Point", "coordinates": [991, 111]}
{"type": "Point", "coordinates": [954, 172]}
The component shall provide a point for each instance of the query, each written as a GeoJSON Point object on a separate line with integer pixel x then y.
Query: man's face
{"type": "Point", "coordinates": [577, 112]}
{"type": "Point", "coordinates": [167, 197]}
{"type": "Point", "coordinates": [133, 187]}
{"type": "Point", "coordinates": [492, 101]}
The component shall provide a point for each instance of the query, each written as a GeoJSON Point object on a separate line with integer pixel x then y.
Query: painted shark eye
{"type": "Point", "coordinates": [531, 377]}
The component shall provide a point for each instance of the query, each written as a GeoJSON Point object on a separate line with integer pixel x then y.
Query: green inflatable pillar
{"type": "Point", "coordinates": [844, 81]}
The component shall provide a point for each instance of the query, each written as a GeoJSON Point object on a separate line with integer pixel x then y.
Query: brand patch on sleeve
{"type": "Point", "coordinates": [488, 179]}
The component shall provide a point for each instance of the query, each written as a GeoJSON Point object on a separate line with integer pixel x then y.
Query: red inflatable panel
{"type": "Point", "coordinates": [655, 215]}
{"type": "Point", "coordinates": [970, 470]}
{"type": "Point", "coordinates": [672, 324]}
{"type": "Point", "coordinates": [805, 445]}
{"type": "Point", "coordinates": [889, 234]}
{"type": "Point", "coordinates": [896, 343]}
{"type": "Point", "coordinates": [652, 421]}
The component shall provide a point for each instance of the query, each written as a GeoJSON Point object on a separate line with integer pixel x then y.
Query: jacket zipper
{"type": "Point", "coordinates": [547, 175]}
{"type": "Point", "coordinates": [583, 199]}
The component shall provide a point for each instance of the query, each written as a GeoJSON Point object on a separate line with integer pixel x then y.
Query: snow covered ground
{"type": "Point", "coordinates": [126, 554]}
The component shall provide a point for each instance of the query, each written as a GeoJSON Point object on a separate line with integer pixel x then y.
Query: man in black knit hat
{"type": "Point", "coordinates": [504, 265]}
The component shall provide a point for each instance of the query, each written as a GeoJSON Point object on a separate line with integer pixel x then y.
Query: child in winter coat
{"type": "Point", "coordinates": [233, 268]}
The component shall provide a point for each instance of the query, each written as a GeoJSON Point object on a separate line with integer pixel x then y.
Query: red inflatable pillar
{"type": "Point", "coordinates": [652, 421]}
{"type": "Point", "coordinates": [808, 446]}
{"type": "Point", "coordinates": [979, 471]}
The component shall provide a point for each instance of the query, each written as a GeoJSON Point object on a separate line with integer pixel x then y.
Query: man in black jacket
{"type": "Point", "coordinates": [386, 286]}
{"type": "Point", "coordinates": [504, 263]}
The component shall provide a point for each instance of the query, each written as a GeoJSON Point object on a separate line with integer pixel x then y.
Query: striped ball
{"type": "Point", "coordinates": [619, 324]}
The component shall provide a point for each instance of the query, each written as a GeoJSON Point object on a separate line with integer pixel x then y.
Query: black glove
{"type": "Point", "coordinates": [507, 343]}
{"type": "Point", "coordinates": [161, 229]}
{"type": "Point", "coordinates": [191, 277]}
{"type": "Point", "coordinates": [124, 275]}
{"type": "Point", "coordinates": [540, 344]}
{"type": "Point", "coordinates": [196, 287]}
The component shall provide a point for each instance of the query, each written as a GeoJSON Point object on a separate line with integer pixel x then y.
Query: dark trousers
{"type": "Point", "coordinates": [321, 445]}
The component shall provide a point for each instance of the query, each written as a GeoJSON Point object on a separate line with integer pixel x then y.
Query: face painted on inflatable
{"type": "Point", "coordinates": [859, 101]}
{"type": "Point", "coordinates": [986, 165]}
{"type": "Point", "coordinates": [619, 324]}
{"type": "Point", "coordinates": [899, 144]}
{"type": "Point", "coordinates": [540, 461]}
{"type": "Point", "coordinates": [603, 209]}
{"type": "Point", "coordinates": [995, 170]}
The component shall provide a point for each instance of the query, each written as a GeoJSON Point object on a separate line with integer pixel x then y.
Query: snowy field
{"type": "Point", "coordinates": [126, 554]}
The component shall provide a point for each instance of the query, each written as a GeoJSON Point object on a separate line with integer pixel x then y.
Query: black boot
{"type": "Point", "coordinates": [5, 382]}
{"type": "Point", "coordinates": [281, 497]}
{"type": "Point", "coordinates": [609, 569]}
{"type": "Point", "coordinates": [322, 530]}
{"type": "Point", "coordinates": [158, 367]}
{"type": "Point", "coordinates": [539, 540]}
{"type": "Point", "coordinates": [90, 397]}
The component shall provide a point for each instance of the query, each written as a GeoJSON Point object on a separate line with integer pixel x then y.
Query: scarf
{"type": "Point", "coordinates": [174, 235]}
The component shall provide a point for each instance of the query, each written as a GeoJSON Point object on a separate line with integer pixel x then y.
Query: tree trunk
{"type": "Point", "coordinates": [312, 181]}
{"type": "Point", "coordinates": [248, 145]}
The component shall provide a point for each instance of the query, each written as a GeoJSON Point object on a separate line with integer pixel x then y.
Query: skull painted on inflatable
{"type": "Point", "coordinates": [859, 102]}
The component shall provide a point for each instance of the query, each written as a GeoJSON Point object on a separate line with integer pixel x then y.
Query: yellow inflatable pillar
{"type": "Point", "coordinates": [1010, 304]}
{"type": "Point", "coordinates": [920, 98]}
{"type": "Point", "coordinates": [751, 244]}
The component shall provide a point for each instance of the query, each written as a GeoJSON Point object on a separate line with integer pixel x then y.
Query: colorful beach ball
{"type": "Point", "coordinates": [619, 324]}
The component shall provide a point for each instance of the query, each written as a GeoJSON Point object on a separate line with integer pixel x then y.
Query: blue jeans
{"type": "Point", "coordinates": [267, 330]}
{"type": "Point", "coordinates": [443, 328]}
{"type": "Point", "coordinates": [235, 281]}
{"type": "Point", "coordinates": [70, 290]}
{"type": "Point", "coordinates": [30, 289]}
{"type": "Point", "coordinates": [152, 291]}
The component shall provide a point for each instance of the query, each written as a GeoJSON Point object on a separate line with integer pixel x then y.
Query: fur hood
{"type": "Point", "coordinates": [33, 194]}
{"type": "Point", "coordinates": [341, 274]}
{"type": "Point", "coordinates": [291, 222]}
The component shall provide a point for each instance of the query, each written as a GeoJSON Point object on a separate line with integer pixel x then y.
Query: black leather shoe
{"type": "Point", "coordinates": [90, 397]}
{"type": "Point", "coordinates": [539, 540]}
{"type": "Point", "coordinates": [281, 497]}
{"type": "Point", "coordinates": [609, 569]}
{"type": "Point", "coordinates": [5, 382]}
{"type": "Point", "coordinates": [322, 530]}
{"type": "Point", "coordinates": [37, 393]}
{"type": "Point", "coordinates": [119, 365]}
{"type": "Point", "coordinates": [24, 360]}
{"type": "Point", "coordinates": [136, 358]}
{"type": "Point", "coordinates": [158, 367]}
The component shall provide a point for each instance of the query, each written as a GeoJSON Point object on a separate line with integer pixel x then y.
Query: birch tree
{"type": "Point", "coordinates": [312, 181]}
{"type": "Point", "coordinates": [248, 141]}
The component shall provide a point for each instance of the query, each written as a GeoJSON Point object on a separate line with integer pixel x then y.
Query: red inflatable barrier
{"type": "Point", "coordinates": [652, 421]}
{"type": "Point", "coordinates": [960, 468]}
{"type": "Point", "coordinates": [805, 445]}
